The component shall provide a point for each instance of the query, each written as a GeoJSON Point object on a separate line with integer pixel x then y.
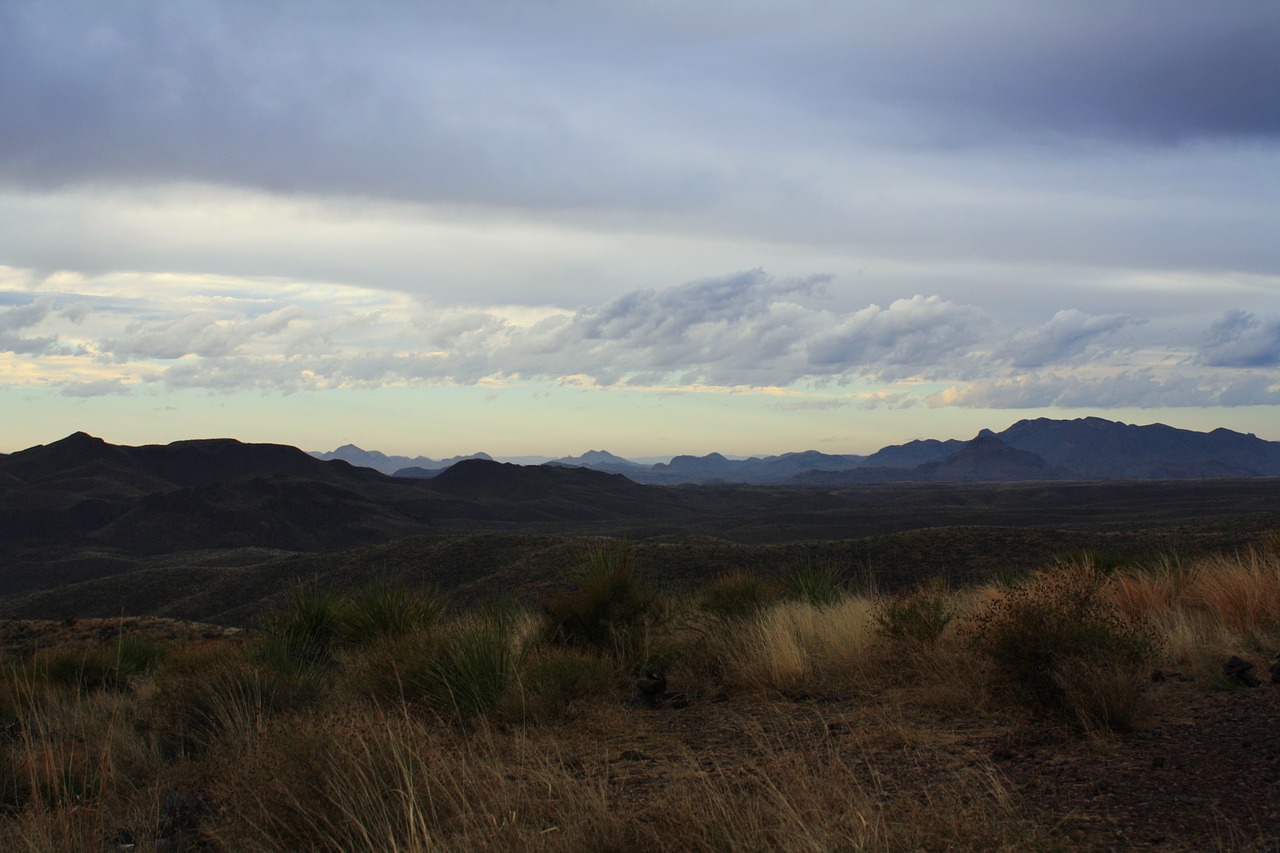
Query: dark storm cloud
{"type": "Point", "coordinates": [381, 100]}
{"type": "Point", "coordinates": [1162, 72]}
{"type": "Point", "coordinates": [569, 104]}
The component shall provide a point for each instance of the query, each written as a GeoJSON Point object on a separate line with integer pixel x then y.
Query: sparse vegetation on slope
{"type": "Point", "coordinates": [376, 719]}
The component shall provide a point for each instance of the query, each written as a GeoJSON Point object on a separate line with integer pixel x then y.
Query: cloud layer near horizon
{"type": "Point", "coordinates": [1047, 205]}
{"type": "Point", "coordinates": [745, 330]}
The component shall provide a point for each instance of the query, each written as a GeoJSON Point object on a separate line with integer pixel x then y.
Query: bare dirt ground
{"type": "Point", "coordinates": [1202, 774]}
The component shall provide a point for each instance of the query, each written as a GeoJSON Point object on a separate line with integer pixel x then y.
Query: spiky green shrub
{"type": "Point", "coordinates": [1041, 634]}
{"type": "Point", "coordinates": [385, 610]}
{"type": "Point", "coordinates": [304, 633]}
{"type": "Point", "coordinates": [918, 615]}
{"type": "Point", "coordinates": [476, 663]}
{"type": "Point", "coordinates": [611, 608]}
{"type": "Point", "coordinates": [737, 596]}
{"type": "Point", "coordinates": [817, 583]}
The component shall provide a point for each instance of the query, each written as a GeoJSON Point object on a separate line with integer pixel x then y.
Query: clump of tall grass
{"type": "Point", "coordinates": [612, 608]}
{"type": "Point", "coordinates": [101, 666]}
{"type": "Point", "coordinates": [1207, 609]}
{"type": "Point", "coordinates": [215, 691]}
{"type": "Point", "coordinates": [477, 663]}
{"type": "Point", "coordinates": [737, 595]}
{"type": "Point", "coordinates": [918, 615]}
{"type": "Point", "coordinates": [386, 610]}
{"type": "Point", "coordinates": [796, 645]}
{"type": "Point", "coordinates": [817, 583]}
{"type": "Point", "coordinates": [305, 633]}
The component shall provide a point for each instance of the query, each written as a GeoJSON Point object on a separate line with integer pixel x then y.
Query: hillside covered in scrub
{"type": "Point", "coordinates": [218, 529]}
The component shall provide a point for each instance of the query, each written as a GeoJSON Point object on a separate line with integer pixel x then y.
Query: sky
{"type": "Point", "coordinates": [652, 227]}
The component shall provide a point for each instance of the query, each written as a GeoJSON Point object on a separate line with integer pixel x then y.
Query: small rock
{"type": "Point", "coordinates": [652, 683]}
{"type": "Point", "coordinates": [1238, 668]}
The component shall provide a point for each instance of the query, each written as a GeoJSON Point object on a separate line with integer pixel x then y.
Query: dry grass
{"type": "Point", "coordinates": [1207, 609]}
{"type": "Point", "coordinates": [797, 646]}
{"type": "Point", "coordinates": [363, 753]}
{"type": "Point", "coordinates": [385, 781]}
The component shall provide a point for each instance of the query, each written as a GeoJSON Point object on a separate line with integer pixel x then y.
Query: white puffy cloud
{"type": "Point", "coordinates": [910, 336]}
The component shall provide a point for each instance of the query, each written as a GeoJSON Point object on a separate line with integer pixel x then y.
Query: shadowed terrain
{"type": "Point", "coordinates": [216, 529]}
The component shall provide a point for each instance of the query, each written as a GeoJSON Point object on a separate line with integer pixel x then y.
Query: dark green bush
{"type": "Point", "coordinates": [1043, 633]}
{"type": "Point", "coordinates": [610, 609]}
{"type": "Point", "coordinates": [816, 583]}
{"type": "Point", "coordinates": [304, 633]}
{"type": "Point", "coordinates": [476, 664]}
{"type": "Point", "coordinates": [737, 596]}
{"type": "Point", "coordinates": [385, 610]}
{"type": "Point", "coordinates": [919, 615]}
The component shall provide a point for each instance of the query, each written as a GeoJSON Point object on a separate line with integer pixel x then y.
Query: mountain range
{"type": "Point", "coordinates": [1041, 449]}
{"type": "Point", "coordinates": [88, 526]}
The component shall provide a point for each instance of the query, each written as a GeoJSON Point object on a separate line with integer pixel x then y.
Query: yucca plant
{"type": "Point", "coordinates": [304, 633]}
{"type": "Point", "coordinates": [611, 607]}
{"type": "Point", "coordinates": [385, 610]}
{"type": "Point", "coordinates": [816, 583]}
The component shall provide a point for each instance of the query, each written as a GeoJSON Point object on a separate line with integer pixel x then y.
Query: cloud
{"type": "Point", "coordinates": [14, 320]}
{"type": "Point", "coordinates": [812, 405]}
{"type": "Point", "coordinates": [1108, 69]}
{"type": "Point", "coordinates": [561, 105]}
{"type": "Point", "coordinates": [1241, 339]}
{"type": "Point", "coordinates": [202, 334]}
{"type": "Point", "coordinates": [97, 388]}
{"type": "Point", "coordinates": [746, 329]}
{"type": "Point", "coordinates": [1066, 337]}
{"type": "Point", "coordinates": [910, 335]}
{"type": "Point", "coordinates": [1133, 389]}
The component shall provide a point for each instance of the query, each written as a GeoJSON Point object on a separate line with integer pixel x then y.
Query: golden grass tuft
{"type": "Point", "coordinates": [795, 645]}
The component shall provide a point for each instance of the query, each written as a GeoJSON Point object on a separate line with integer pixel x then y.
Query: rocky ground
{"type": "Point", "coordinates": [1203, 773]}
